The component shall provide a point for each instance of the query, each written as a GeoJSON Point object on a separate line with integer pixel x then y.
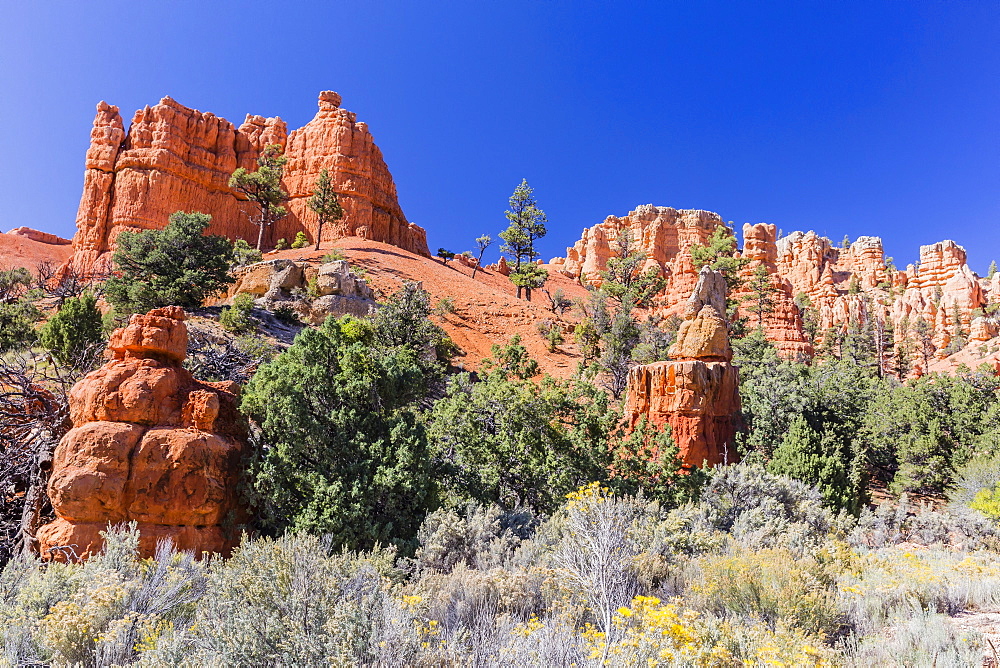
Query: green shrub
{"type": "Point", "coordinates": [244, 254]}
{"type": "Point", "coordinates": [74, 335]}
{"type": "Point", "coordinates": [17, 321]}
{"type": "Point", "coordinates": [238, 318]}
{"type": "Point", "coordinates": [301, 241]}
{"type": "Point", "coordinates": [333, 255]}
{"type": "Point", "coordinates": [281, 245]}
{"type": "Point", "coordinates": [177, 265]}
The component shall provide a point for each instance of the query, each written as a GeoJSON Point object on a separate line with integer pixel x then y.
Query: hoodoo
{"type": "Point", "coordinates": [149, 443]}
{"type": "Point", "coordinates": [697, 393]}
{"type": "Point", "coordinates": [173, 158]}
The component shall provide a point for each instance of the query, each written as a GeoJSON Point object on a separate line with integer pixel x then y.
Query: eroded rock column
{"type": "Point", "coordinates": [151, 444]}
{"type": "Point", "coordinates": [697, 393]}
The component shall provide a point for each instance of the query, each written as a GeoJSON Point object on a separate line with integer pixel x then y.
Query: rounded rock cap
{"type": "Point", "coordinates": [329, 99]}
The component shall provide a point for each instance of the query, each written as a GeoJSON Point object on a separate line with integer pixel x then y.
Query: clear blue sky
{"type": "Point", "coordinates": [878, 118]}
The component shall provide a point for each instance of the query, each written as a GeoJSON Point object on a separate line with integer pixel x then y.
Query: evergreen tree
{"type": "Point", "coordinates": [810, 316]}
{"type": "Point", "coordinates": [623, 278]}
{"type": "Point", "coordinates": [991, 272]}
{"type": "Point", "coordinates": [177, 265]}
{"type": "Point", "coordinates": [819, 459]}
{"type": "Point", "coordinates": [527, 225]}
{"type": "Point", "coordinates": [925, 340]}
{"type": "Point", "coordinates": [17, 309]}
{"type": "Point", "coordinates": [482, 243]}
{"type": "Point", "coordinates": [263, 188]}
{"type": "Point", "coordinates": [761, 298]}
{"type": "Point", "coordinates": [325, 204]}
{"type": "Point", "coordinates": [345, 451]}
{"type": "Point", "coordinates": [903, 359]}
{"type": "Point", "coordinates": [74, 335]}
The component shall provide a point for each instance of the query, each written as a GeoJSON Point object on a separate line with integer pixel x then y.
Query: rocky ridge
{"type": "Point", "coordinates": [845, 287]}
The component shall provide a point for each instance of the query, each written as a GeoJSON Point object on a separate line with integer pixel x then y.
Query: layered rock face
{"type": "Point", "coordinates": [845, 287]}
{"type": "Point", "coordinates": [854, 285]}
{"type": "Point", "coordinates": [782, 321]}
{"type": "Point", "coordinates": [174, 158]}
{"type": "Point", "coordinates": [151, 444]}
{"type": "Point", "coordinates": [697, 393]}
{"type": "Point", "coordinates": [663, 233]}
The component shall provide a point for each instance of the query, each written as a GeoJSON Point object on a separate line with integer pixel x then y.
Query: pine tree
{"type": "Point", "coordinates": [482, 243]}
{"type": "Point", "coordinates": [761, 297]}
{"type": "Point", "coordinates": [527, 225]}
{"type": "Point", "coordinates": [991, 272]}
{"type": "Point", "coordinates": [263, 187]}
{"type": "Point", "coordinates": [325, 204]}
{"type": "Point", "coordinates": [74, 334]}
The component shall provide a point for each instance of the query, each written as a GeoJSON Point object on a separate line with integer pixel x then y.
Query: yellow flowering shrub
{"type": "Point", "coordinates": [772, 585]}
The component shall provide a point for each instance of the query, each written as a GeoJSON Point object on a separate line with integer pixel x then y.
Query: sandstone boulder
{"type": "Point", "coordinates": [149, 444]}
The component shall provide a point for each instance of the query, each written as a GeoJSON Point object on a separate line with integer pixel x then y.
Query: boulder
{"type": "Point", "coordinates": [149, 444]}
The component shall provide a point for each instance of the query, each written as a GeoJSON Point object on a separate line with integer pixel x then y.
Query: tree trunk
{"type": "Point", "coordinates": [260, 234]}
{"type": "Point", "coordinates": [319, 233]}
{"type": "Point", "coordinates": [36, 496]}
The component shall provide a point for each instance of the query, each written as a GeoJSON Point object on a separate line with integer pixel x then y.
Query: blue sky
{"type": "Point", "coordinates": [879, 118]}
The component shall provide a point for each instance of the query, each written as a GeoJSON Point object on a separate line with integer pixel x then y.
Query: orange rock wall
{"type": "Point", "coordinates": [844, 285]}
{"type": "Point", "coordinates": [174, 158]}
{"type": "Point", "coordinates": [149, 444]}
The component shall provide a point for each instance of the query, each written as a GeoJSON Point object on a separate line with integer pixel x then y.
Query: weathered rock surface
{"type": "Point", "coordinates": [151, 444]}
{"type": "Point", "coordinates": [698, 393]}
{"type": "Point", "coordinates": [174, 158]}
{"type": "Point", "coordinates": [664, 234]}
{"type": "Point", "coordinates": [315, 293]}
{"type": "Point", "coordinates": [844, 287]}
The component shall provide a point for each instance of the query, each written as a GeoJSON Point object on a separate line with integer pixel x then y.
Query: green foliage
{"type": "Point", "coordinates": [325, 204]}
{"type": "Point", "coordinates": [17, 309]}
{"type": "Point", "coordinates": [333, 255]}
{"type": "Point", "coordinates": [526, 226]}
{"type": "Point", "coordinates": [991, 272]}
{"type": "Point", "coordinates": [280, 245]}
{"type": "Point", "coordinates": [237, 318]}
{"type": "Point", "coordinates": [624, 280]}
{"type": "Point", "coordinates": [718, 254]}
{"type": "Point", "coordinates": [445, 255]}
{"type": "Point", "coordinates": [74, 335]}
{"type": "Point", "coordinates": [916, 435]}
{"type": "Point", "coordinates": [263, 187]}
{"type": "Point", "coordinates": [529, 276]}
{"type": "Point", "coordinates": [345, 453]}
{"type": "Point", "coordinates": [516, 443]}
{"type": "Point", "coordinates": [482, 244]}
{"type": "Point", "coordinates": [760, 301]}
{"type": "Point", "coordinates": [551, 332]}
{"type": "Point", "coordinates": [177, 265]}
{"type": "Point", "coordinates": [818, 459]}
{"type": "Point", "coordinates": [243, 254]}
{"type": "Point", "coordinates": [511, 360]}
{"type": "Point", "coordinates": [301, 240]}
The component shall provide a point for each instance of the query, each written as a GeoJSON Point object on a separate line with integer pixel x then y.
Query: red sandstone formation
{"type": "Point", "coordinates": [151, 444]}
{"type": "Point", "coordinates": [698, 393]}
{"type": "Point", "coordinates": [783, 323]}
{"type": "Point", "coordinates": [845, 286]}
{"type": "Point", "coordinates": [664, 234]}
{"type": "Point", "coordinates": [28, 248]}
{"type": "Point", "coordinates": [178, 159]}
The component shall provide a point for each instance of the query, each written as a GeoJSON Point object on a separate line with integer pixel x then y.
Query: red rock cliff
{"type": "Point", "coordinates": [151, 444]}
{"type": "Point", "coordinates": [174, 158]}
